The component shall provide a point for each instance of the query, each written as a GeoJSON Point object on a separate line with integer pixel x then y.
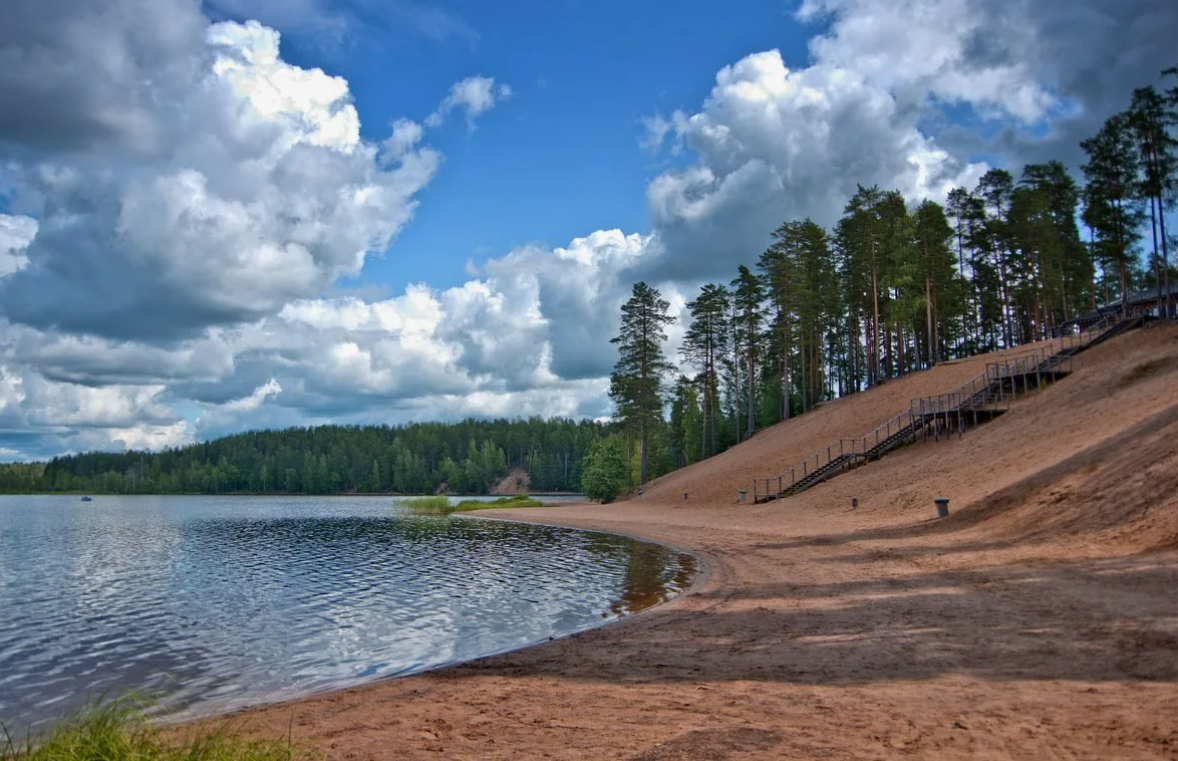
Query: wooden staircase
{"type": "Point", "coordinates": [982, 399]}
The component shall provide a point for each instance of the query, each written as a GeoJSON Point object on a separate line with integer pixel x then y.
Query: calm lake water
{"type": "Point", "coordinates": [214, 603]}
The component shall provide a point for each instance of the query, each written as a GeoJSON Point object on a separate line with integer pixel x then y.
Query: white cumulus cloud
{"type": "Point", "coordinates": [257, 189]}
{"type": "Point", "coordinates": [473, 95]}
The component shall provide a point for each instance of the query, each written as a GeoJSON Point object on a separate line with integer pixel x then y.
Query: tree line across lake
{"type": "Point", "coordinates": [893, 287]}
{"type": "Point", "coordinates": [465, 458]}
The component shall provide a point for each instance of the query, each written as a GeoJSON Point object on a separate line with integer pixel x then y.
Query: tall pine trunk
{"type": "Point", "coordinates": [931, 359]}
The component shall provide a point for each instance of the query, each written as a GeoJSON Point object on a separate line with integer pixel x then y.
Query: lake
{"type": "Point", "coordinates": [214, 603]}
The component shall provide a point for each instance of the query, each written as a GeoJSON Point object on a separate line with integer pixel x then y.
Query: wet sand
{"type": "Point", "coordinates": [1038, 621]}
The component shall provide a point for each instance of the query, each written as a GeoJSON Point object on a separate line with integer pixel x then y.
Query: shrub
{"type": "Point", "coordinates": [605, 470]}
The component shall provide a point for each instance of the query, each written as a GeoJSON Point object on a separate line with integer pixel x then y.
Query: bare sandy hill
{"type": "Point", "coordinates": [1093, 457]}
{"type": "Point", "coordinates": [1104, 436]}
{"type": "Point", "coordinates": [775, 449]}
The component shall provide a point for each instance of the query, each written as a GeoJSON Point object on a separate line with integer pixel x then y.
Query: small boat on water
{"type": "Point", "coordinates": [87, 499]}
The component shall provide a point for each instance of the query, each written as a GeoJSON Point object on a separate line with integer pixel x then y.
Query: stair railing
{"type": "Point", "coordinates": [986, 393]}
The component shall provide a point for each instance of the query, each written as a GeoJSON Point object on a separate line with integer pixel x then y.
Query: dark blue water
{"type": "Point", "coordinates": [215, 603]}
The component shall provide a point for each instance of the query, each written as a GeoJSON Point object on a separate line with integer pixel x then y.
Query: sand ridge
{"type": "Point", "coordinates": [1040, 620]}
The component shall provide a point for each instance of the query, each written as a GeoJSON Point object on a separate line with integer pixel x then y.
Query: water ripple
{"type": "Point", "coordinates": [211, 604]}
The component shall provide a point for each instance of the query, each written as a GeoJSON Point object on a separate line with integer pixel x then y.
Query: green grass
{"type": "Point", "coordinates": [519, 500]}
{"type": "Point", "coordinates": [117, 731]}
{"type": "Point", "coordinates": [441, 505]}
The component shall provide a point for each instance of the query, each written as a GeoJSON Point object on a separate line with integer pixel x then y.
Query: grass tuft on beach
{"type": "Point", "coordinates": [117, 731]}
{"type": "Point", "coordinates": [440, 505]}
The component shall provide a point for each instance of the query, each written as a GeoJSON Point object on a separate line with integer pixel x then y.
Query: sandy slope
{"type": "Point", "coordinates": [1039, 621]}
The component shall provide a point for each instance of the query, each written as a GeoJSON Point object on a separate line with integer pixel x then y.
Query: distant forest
{"type": "Point", "coordinates": [464, 458]}
{"type": "Point", "coordinates": [895, 286]}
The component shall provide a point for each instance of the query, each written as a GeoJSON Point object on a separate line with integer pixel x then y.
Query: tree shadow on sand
{"type": "Point", "coordinates": [1080, 621]}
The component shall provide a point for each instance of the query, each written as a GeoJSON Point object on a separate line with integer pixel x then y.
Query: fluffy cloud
{"type": "Point", "coordinates": [771, 143]}
{"type": "Point", "coordinates": [75, 75]}
{"type": "Point", "coordinates": [473, 95]}
{"type": "Point", "coordinates": [529, 337]}
{"type": "Point", "coordinates": [960, 51]}
{"type": "Point", "coordinates": [51, 417]}
{"type": "Point", "coordinates": [240, 184]}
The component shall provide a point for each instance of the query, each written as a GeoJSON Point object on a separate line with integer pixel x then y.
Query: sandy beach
{"type": "Point", "coordinates": [1038, 621]}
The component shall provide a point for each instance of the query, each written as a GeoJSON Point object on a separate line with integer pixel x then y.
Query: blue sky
{"type": "Point", "coordinates": [563, 156]}
{"type": "Point", "coordinates": [432, 209]}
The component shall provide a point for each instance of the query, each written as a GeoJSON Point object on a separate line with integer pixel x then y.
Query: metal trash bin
{"type": "Point", "coordinates": [942, 506]}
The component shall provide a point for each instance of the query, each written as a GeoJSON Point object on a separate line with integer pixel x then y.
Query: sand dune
{"type": "Point", "coordinates": [1040, 620]}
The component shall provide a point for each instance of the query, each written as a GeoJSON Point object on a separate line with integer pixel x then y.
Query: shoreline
{"type": "Point", "coordinates": [736, 667]}
{"type": "Point", "coordinates": [702, 575]}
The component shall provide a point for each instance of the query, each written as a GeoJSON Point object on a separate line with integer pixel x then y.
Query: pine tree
{"type": "Point", "coordinates": [748, 296]}
{"type": "Point", "coordinates": [1067, 271]}
{"type": "Point", "coordinates": [859, 237]}
{"type": "Point", "coordinates": [686, 422]}
{"type": "Point", "coordinates": [1112, 209]}
{"type": "Point", "coordinates": [1150, 117]}
{"type": "Point", "coordinates": [996, 189]}
{"type": "Point", "coordinates": [802, 282]}
{"type": "Point", "coordinates": [636, 383]}
{"type": "Point", "coordinates": [935, 265]}
{"type": "Point", "coordinates": [705, 344]}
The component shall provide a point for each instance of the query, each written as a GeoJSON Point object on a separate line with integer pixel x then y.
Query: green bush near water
{"type": "Point", "coordinates": [441, 505]}
{"type": "Point", "coordinates": [117, 731]}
